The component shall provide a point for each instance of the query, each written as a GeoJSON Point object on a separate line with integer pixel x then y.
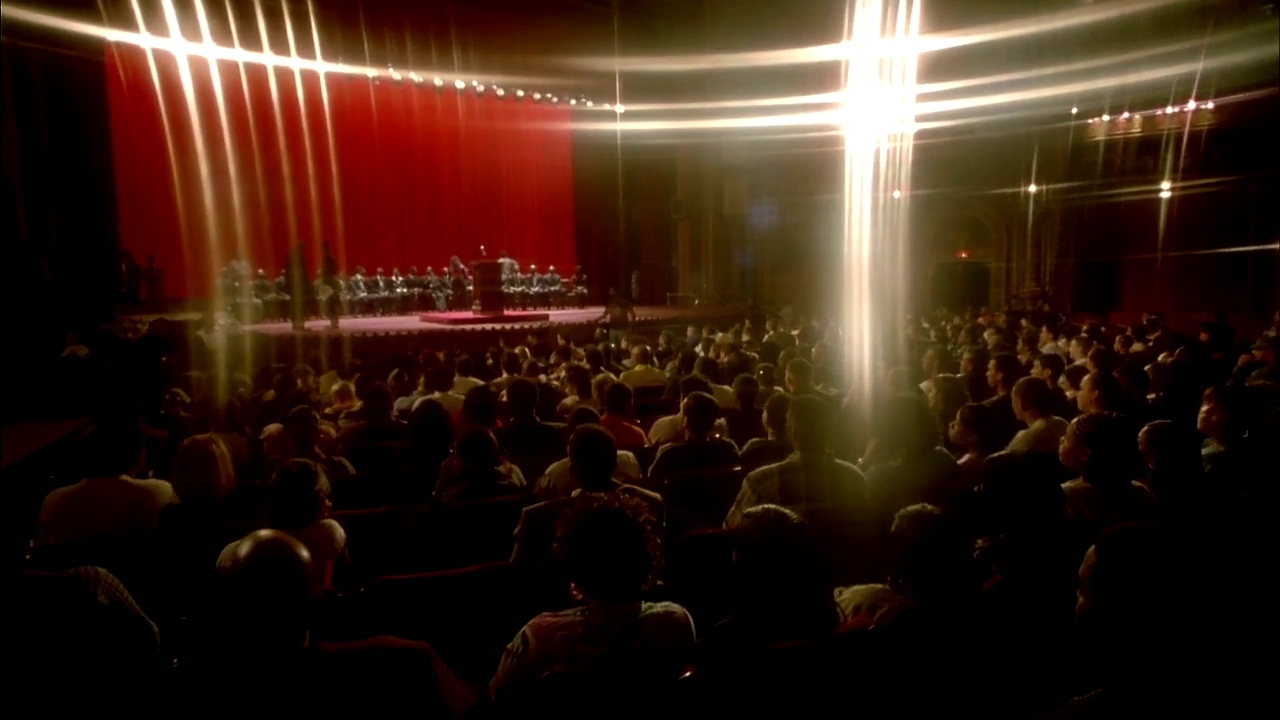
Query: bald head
{"type": "Point", "coordinates": [266, 581]}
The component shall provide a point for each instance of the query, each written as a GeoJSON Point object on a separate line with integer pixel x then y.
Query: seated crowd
{"type": "Point", "coordinates": [712, 523]}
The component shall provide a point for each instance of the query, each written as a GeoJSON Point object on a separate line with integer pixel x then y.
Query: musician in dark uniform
{"type": "Point", "coordinates": [510, 268]}
{"type": "Point", "coordinates": [399, 292]}
{"type": "Point", "coordinates": [553, 286]}
{"type": "Point", "coordinates": [580, 286]}
{"type": "Point", "coordinates": [431, 290]}
{"type": "Point", "coordinates": [358, 288]}
{"type": "Point", "coordinates": [380, 291]}
{"type": "Point", "coordinates": [331, 303]}
{"type": "Point", "coordinates": [299, 284]}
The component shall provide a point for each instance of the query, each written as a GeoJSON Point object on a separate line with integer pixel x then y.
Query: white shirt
{"type": "Point", "coordinates": [463, 384]}
{"type": "Point", "coordinates": [671, 429]}
{"type": "Point", "coordinates": [556, 481]}
{"type": "Point", "coordinates": [644, 376]}
{"type": "Point", "coordinates": [452, 402]}
{"type": "Point", "coordinates": [98, 507]}
{"type": "Point", "coordinates": [1043, 436]}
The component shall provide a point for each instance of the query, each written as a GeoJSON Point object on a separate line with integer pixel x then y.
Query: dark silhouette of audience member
{"type": "Point", "coordinates": [615, 638]}
{"type": "Point", "coordinates": [745, 421]}
{"type": "Point", "coordinates": [904, 463]}
{"type": "Point", "coordinates": [618, 404]}
{"type": "Point", "coordinates": [782, 592]}
{"type": "Point", "coordinates": [525, 436]}
{"type": "Point", "coordinates": [702, 448]}
{"type": "Point", "coordinates": [671, 427]}
{"type": "Point", "coordinates": [593, 459]}
{"type": "Point", "coordinates": [1230, 460]}
{"type": "Point", "coordinates": [110, 502]}
{"type": "Point", "coordinates": [297, 503]}
{"type": "Point", "coordinates": [1100, 392]}
{"type": "Point", "coordinates": [259, 640]}
{"type": "Point", "coordinates": [1049, 368]}
{"type": "Point", "coordinates": [1033, 407]}
{"type": "Point", "coordinates": [1003, 371]}
{"type": "Point", "coordinates": [1175, 474]}
{"type": "Point", "coordinates": [812, 479]}
{"type": "Point", "coordinates": [973, 369]}
{"type": "Point", "coordinates": [945, 395]}
{"type": "Point", "coordinates": [378, 425]}
{"type": "Point", "coordinates": [1103, 449]}
{"type": "Point", "coordinates": [477, 471]}
{"type": "Point", "coordinates": [558, 481]}
{"type": "Point", "coordinates": [776, 445]}
{"type": "Point", "coordinates": [301, 436]}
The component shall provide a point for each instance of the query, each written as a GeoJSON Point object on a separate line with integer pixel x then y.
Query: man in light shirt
{"type": "Point", "coordinates": [1033, 401]}
{"type": "Point", "coordinates": [671, 428]}
{"type": "Point", "coordinates": [442, 382]}
{"type": "Point", "coordinates": [642, 372]}
{"type": "Point", "coordinates": [466, 379]}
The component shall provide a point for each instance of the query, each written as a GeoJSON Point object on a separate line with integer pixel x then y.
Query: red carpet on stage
{"type": "Point", "coordinates": [466, 317]}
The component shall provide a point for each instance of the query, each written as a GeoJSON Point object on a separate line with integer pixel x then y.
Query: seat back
{"type": "Point", "coordinates": [475, 531]}
{"type": "Point", "coordinates": [374, 458]}
{"type": "Point", "coordinates": [468, 615]}
{"type": "Point", "coordinates": [700, 499]}
{"type": "Point", "coordinates": [377, 539]}
{"type": "Point", "coordinates": [698, 574]}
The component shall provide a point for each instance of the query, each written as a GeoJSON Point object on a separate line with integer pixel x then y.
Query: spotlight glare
{"type": "Point", "coordinates": [1191, 104]}
{"type": "Point", "coordinates": [371, 73]}
{"type": "Point", "coordinates": [519, 93]}
{"type": "Point", "coordinates": [1075, 110]}
{"type": "Point", "coordinates": [897, 194]}
{"type": "Point", "coordinates": [1032, 188]}
{"type": "Point", "coordinates": [460, 85]}
{"type": "Point", "coordinates": [1166, 185]}
{"type": "Point", "coordinates": [1165, 194]}
{"type": "Point", "coordinates": [589, 104]}
{"type": "Point", "coordinates": [1169, 110]}
{"type": "Point", "coordinates": [572, 101]}
{"type": "Point", "coordinates": [480, 89]}
{"type": "Point", "coordinates": [1106, 118]}
{"type": "Point", "coordinates": [437, 82]}
{"type": "Point", "coordinates": [537, 96]}
{"type": "Point", "coordinates": [619, 109]}
{"type": "Point", "coordinates": [1124, 115]}
{"type": "Point", "coordinates": [1209, 105]}
{"type": "Point", "coordinates": [499, 92]}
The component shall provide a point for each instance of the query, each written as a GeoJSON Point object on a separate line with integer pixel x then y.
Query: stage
{"type": "Point", "coordinates": [569, 321]}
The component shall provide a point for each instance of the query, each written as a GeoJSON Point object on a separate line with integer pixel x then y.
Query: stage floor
{"type": "Point", "coordinates": [574, 317]}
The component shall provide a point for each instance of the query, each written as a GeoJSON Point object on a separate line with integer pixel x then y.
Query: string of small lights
{"type": "Point", "coordinates": [1191, 106]}
{"type": "Point", "coordinates": [478, 88]}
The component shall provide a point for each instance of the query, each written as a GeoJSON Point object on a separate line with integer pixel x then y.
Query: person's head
{"type": "Point", "coordinates": [1080, 347]}
{"type": "Point", "coordinates": [775, 415]}
{"type": "Point", "coordinates": [618, 399]}
{"type": "Point", "coordinates": [1167, 446]}
{"type": "Point", "coordinates": [297, 495]}
{"type": "Point", "coordinates": [944, 395]}
{"type": "Point", "coordinates": [593, 457]}
{"type": "Point", "coordinates": [441, 379]}
{"type": "Point", "coordinates": [202, 471]}
{"type": "Point", "coordinates": [767, 375]}
{"type": "Point", "coordinates": [1102, 359]}
{"type": "Point", "coordinates": [266, 583]}
{"type": "Point", "coordinates": [1099, 392]}
{"type": "Point", "coordinates": [343, 394]}
{"type": "Point", "coordinates": [1048, 368]}
{"type": "Point", "coordinates": [745, 391]}
{"type": "Point", "coordinates": [799, 377]}
{"type": "Point", "coordinates": [1129, 582]}
{"type": "Point", "coordinates": [641, 355]}
{"type": "Point", "coordinates": [478, 450]}
{"type": "Point", "coordinates": [378, 402]}
{"type": "Point", "coordinates": [1048, 334]}
{"type": "Point", "coordinates": [579, 416]}
{"type": "Point", "coordinates": [698, 412]}
{"type": "Point", "coordinates": [522, 398]}
{"type": "Point", "coordinates": [1003, 371]}
{"type": "Point", "coordinates": [1222, 416]}
{"type": "Point", "coordinates": [665, 339]}
{"type": "Point", "coordinates": [975, 428]}
{"type": "Point", "coordinates": [691, 384]}
{"type": "Point", "coordinates": [431, 427]}
{"type": "Point", "coordinates": [931, 554]}
{"type": "Point", "coordinates": [1102, 447]}
{"type": "Point", "coordinates": [466, 367]}
{"type": "Point", "coordinates": [600, 387]}
{"type": "Point", "coordinates": [708, 367]}
{"type": "Point", "coordinates": [577, 380]}
{"type": "Point", "coordinates": [302, 427]}
{"type": "Point", "coordinates": [1071, 379]}
{"type": "Point", "coordinates": [480, 408]}
{"type": "Point", "coordinates": [686, 361]}
{"type": "Point", "coordinates": [1027, 343]}
{"type": "Point", "coordinates": [1032, 399]}
{"type": "Point", "coordinates": [932, 361]}
{"type": "Point", "coordinates": [532, 369]}
{"type": "Point", "coordinates": [604, 551]}
{"type": "Point", "coordinates": [112, 448]}
{"type": "Point", "coordinates": [809, 424]}
{"type": "Point", "coordinates": [779, 572]}
{"type": "Point", "coordinates": [594, 358]}
{"type": "Point", "coordinates": [1123, 344]}
{"type": "Point", "coordinates": [973, 363]}
{"type": "Point", "coordinates": [906, 428]}
{"type": "Point", "coordinates": [511, 363]}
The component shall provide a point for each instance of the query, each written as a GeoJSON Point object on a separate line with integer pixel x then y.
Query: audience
{"type": "Point", "coordinates": [558, 481]}
{"type": "Point", "coordinates": [1102, 449]}
{"type": "Point", "coordinates": [1033, 407]}
{"type": "Point", "coordinates": [476, 471]}
{"type": "Point", "coordinates": [297, 502]}
{"type": "Point", "coordinates": [642, 372]}
{"type": "Point", "coordinates": [702, 448]}
{"type": "Point", "coordinates": [670, 428]}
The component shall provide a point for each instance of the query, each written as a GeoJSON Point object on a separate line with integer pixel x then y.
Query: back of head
{"type": "Point", "coordinates": [907, 427]}
{"type": "Point", "coordinates": [1022, 495]}
{"type": "Point", "coordinates": [809, 423]}
{"type": "Point", "coordinates": [1128, 583]}
{"type": "Point", "coordinates": [578, 378]}
{"type": "Point", "coordinates": [112, 448]}
{"type": "Point", "coordinates": [699, 411]}
{"type": "Point", "coordinates": [522, 397]}
{"type": "Point", "coordinates": [378, 402]}
{"type": "Point", "coordinates": [297, 495]}
{"type": "Point", "coordinates": [618, 399]}
{"type": "Point", "coordinates": [691, 384]}
{"type": "Point", "coordinates": [708, 367]}
{"type": "Point", "coordinates": [581, 415]}
{"type": "Point", "coordinates": [776, 409]}
{"type": "Point", "coordinates": [478, 449]}
{"type": "Point", "coordinates": [202, 470]}
{"type": "Point", "coordinates": [1112, 447]}
{"type": "Point", "coordinates": [1033, 395]}
{"type": "Point", "coordinates": [265, 583]}
{"type": "Point", "coordinates": [511, 363]}
{"type": "Point", "coordinates": [431, 427]}
{"type": "Point", "coordinates": [593, 456]}
{"type": "Point", "coordinates": [1009, 368]}
{"type": "Point", "coordinates": [799, 375]}
{"type": "Point", "coordinates": [603, 548]}
{"type": "Point", "coordinates": [779, 569]}
{"type": "Point", "coordinates": [480, 407]}
{"type": "Point", "coordinates": [441, 379]}
{"type": "Point", "coordinates": [1102, 359]}
{"type": "Point", "coordinates": [466, 366]}
{"type": "Point", "coordinates": [642, 355]}
{"type": "Point", "coordinates": [746, 388]}
{"type": "Point", "coordinates": [1052, 362]}
{"type": "Point", "coordinates": [302, 425]}
{"type": "Point", "coordinates": [594, 357]}
{"type": "Point", "coordinates": [931, 553]}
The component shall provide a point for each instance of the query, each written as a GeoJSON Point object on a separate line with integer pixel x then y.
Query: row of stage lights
{"type": "Point", "coordinates": [1191, 106]}
{"type": "Point", "coordinates": [480, 88]}
{"type": "Point", "coordinates": [1166, 190]}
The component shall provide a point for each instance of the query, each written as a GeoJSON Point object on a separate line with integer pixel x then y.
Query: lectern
{"type": "Point", "coordinates": [486, 276]}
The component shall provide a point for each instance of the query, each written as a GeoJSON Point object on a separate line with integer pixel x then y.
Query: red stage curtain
{"type": "Point", "coordinates": [393, 174]}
